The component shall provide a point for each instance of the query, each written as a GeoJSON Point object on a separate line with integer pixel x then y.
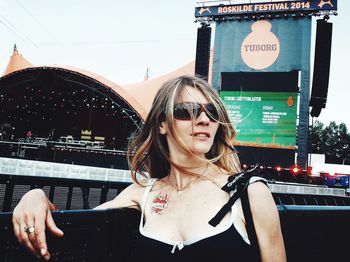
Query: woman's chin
{"type": "Point", "coordinates": [201, 151]}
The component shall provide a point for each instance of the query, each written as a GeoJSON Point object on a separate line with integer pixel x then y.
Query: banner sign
{"type": "Point", "coordinates": [279, 45]}
{"type": "Point", "coordinates": [262, 46]}
{"type": "Point", "coordinates": [268, 7]}
{"type": "Point", "coordinates": [263, 119]}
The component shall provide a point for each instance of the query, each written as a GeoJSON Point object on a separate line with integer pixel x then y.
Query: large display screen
{"type": "Point", "coordinates": [263, 119]}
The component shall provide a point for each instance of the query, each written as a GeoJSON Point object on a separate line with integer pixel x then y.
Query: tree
{"type": "Point", "coordinates": [315, 137]}
{"type": "Point", "coordinates": [344, 137]}
{"type": "Point", "coordinates": [332, 140]}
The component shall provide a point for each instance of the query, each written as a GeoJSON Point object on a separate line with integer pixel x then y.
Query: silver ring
{"type": "Point", "coordinates": [29, 229]}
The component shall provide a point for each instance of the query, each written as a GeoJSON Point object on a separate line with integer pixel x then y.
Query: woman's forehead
{"type": "Point", "coordinates": [191, 94]}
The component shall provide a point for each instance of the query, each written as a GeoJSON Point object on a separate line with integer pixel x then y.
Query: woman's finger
{"type": "Point", "coordinates": [31, 229]}
{"type": "Point", "coordinates": [51, 225]}
{"type": "Point", "coordinates": [16, 228]}
{"type": "Point", "coordinates": [24, 238]}
{"type": "Point", "coordinates": [41, 237]}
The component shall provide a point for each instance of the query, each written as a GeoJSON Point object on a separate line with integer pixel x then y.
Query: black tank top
{"type": "Point", "coordinates": [227, 245]}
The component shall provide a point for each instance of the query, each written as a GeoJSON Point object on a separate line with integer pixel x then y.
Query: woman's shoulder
{"type": "Point", "coordinates": [260, 197]}
{"type": "Point", "coordinates": [139, 188]}
{"type": "Point", "coordinates": [133, 192]}
{"type": "Point", "coordinates": [258, 188]}
{"type": "Point", "coordinates": [136, 187]}
{"type": "Point", "coordinates": [255, 179]}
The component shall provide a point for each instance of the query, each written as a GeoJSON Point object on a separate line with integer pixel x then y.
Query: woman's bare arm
{"type": "Point", "coordinates": [267, 223]}
{"type": "Point", "coordinates": [129, 197]}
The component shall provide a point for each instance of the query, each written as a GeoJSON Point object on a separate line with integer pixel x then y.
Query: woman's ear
{"type": "Point", "coordinates": [163, 128]}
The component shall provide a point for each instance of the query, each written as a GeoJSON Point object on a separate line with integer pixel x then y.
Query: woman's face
{"type": "Point", "coordinates": [197, 135]}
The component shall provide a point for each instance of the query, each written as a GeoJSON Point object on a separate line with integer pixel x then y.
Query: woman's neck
{"type": "Point", "coordinates": [181, 179]}
{"type": "Point", "coordinates": [188, 161]}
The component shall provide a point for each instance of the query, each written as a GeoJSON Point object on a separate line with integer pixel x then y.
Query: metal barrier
{"type": "Point", "coordinates": [311, 233]}
{"type": "Point", "coordinates": [64, 192]}
{"type": "Point", "coordinates": [69, 193]}
{"type": "Point", "coordinates": [315, 233]}
{"type": "Point", "coordinates": [90, 235]}
{"type": "Point", "coordinates": [310, 200]}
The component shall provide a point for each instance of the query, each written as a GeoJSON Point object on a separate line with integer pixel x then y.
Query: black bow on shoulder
{"type": "Point", "coordinates": [236, 184]}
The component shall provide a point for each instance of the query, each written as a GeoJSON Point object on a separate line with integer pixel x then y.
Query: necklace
{"type": "Point", "coordinates": [178, 189]}
{"type": "Point", "coordinates": [161, 201]}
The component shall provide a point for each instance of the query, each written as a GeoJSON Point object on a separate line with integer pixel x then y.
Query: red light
{"type": "Point", "coordinates": [324, 174]}
{"type": "Point", "coordinates": [295, 170]}
{"type": "Point", "coordinates": [309, 170]}
{"type": "Point", "coordinates": [278, 168]}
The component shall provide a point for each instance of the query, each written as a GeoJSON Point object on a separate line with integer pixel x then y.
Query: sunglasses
{"type": "Point", "coordinates": [188, 110]}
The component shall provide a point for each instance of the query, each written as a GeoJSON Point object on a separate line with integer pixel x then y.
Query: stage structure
{"type": "Point", "coordinates": [261, 69]}
{"type": "Point", "coordinates": [62, 115]}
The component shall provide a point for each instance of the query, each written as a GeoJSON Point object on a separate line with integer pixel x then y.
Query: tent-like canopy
{"type": "Point", "coordinates": [65, 99]}
{"type": "Point", "coordinates": [138, 95]}
{"type": "Point", "coordinates": [145, 91]}
{"type": "Point", "coordinates": [17, 62]}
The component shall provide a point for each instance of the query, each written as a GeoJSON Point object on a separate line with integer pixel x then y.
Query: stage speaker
{"type": "Point", "coordinates": [203, 51]}
{"type": "Point", "coordinates": [322, 60]}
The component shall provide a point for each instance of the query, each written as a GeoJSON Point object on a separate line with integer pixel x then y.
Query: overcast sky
{"type": "Point", "coordinates": [121, 39]}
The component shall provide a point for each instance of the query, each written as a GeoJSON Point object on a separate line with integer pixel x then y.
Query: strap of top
{"type": "Point", "coordinates": [144, 198]}
{"type": "Point", "coordinates": [237, 185]}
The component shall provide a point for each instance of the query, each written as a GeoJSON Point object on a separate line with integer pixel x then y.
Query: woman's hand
{"type": "Point", "coordinates": [30, 219]}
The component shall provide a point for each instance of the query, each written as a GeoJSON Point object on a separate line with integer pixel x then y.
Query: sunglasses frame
{"type": "Point", "coordinates": [197, 108]}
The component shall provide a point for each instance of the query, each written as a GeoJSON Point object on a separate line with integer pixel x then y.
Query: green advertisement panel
{"type": "Point", "coordinates": [263, 119]}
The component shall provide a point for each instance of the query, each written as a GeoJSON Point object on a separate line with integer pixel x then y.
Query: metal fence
{"type": "Point", "coordinates": [70, 193]}
{"type": "Point", "coordinates": [64, 192]}
{"type": "Point", "coordinates": [311, 233]}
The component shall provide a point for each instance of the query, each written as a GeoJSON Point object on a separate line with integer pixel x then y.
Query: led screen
{"type": "Point", "coordinates": [263, 119]}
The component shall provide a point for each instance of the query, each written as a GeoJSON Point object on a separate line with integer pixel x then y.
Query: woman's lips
{"type": "Point", "coordinates": [201, 134]}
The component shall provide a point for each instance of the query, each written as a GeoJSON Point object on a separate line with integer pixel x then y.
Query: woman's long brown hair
{"type": "Point", "coordinates": [148, 152]}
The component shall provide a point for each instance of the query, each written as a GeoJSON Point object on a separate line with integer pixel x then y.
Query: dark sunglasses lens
{"type": "Point", "coordinates": [185, 111]}
{"type": "Point", "coordinates": [212, 112]}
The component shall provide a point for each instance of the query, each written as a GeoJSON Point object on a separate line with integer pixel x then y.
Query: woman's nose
{"type": "Point", "coordinates": [203, 118]}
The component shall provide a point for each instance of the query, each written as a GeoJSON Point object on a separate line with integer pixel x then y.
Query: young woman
{"type": "Point", "coordinates": [180, 161]}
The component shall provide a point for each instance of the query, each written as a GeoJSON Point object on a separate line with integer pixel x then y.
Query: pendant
{"type": "Point", "coordinates": [179, 193]}
{"type": "Point", "coordinates": [159, 203]}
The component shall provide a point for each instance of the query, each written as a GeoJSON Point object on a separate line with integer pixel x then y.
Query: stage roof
{"type": "Point", "coordinates": [139, 95]}
{"type": "Point", "coordinates": [17, 62]}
